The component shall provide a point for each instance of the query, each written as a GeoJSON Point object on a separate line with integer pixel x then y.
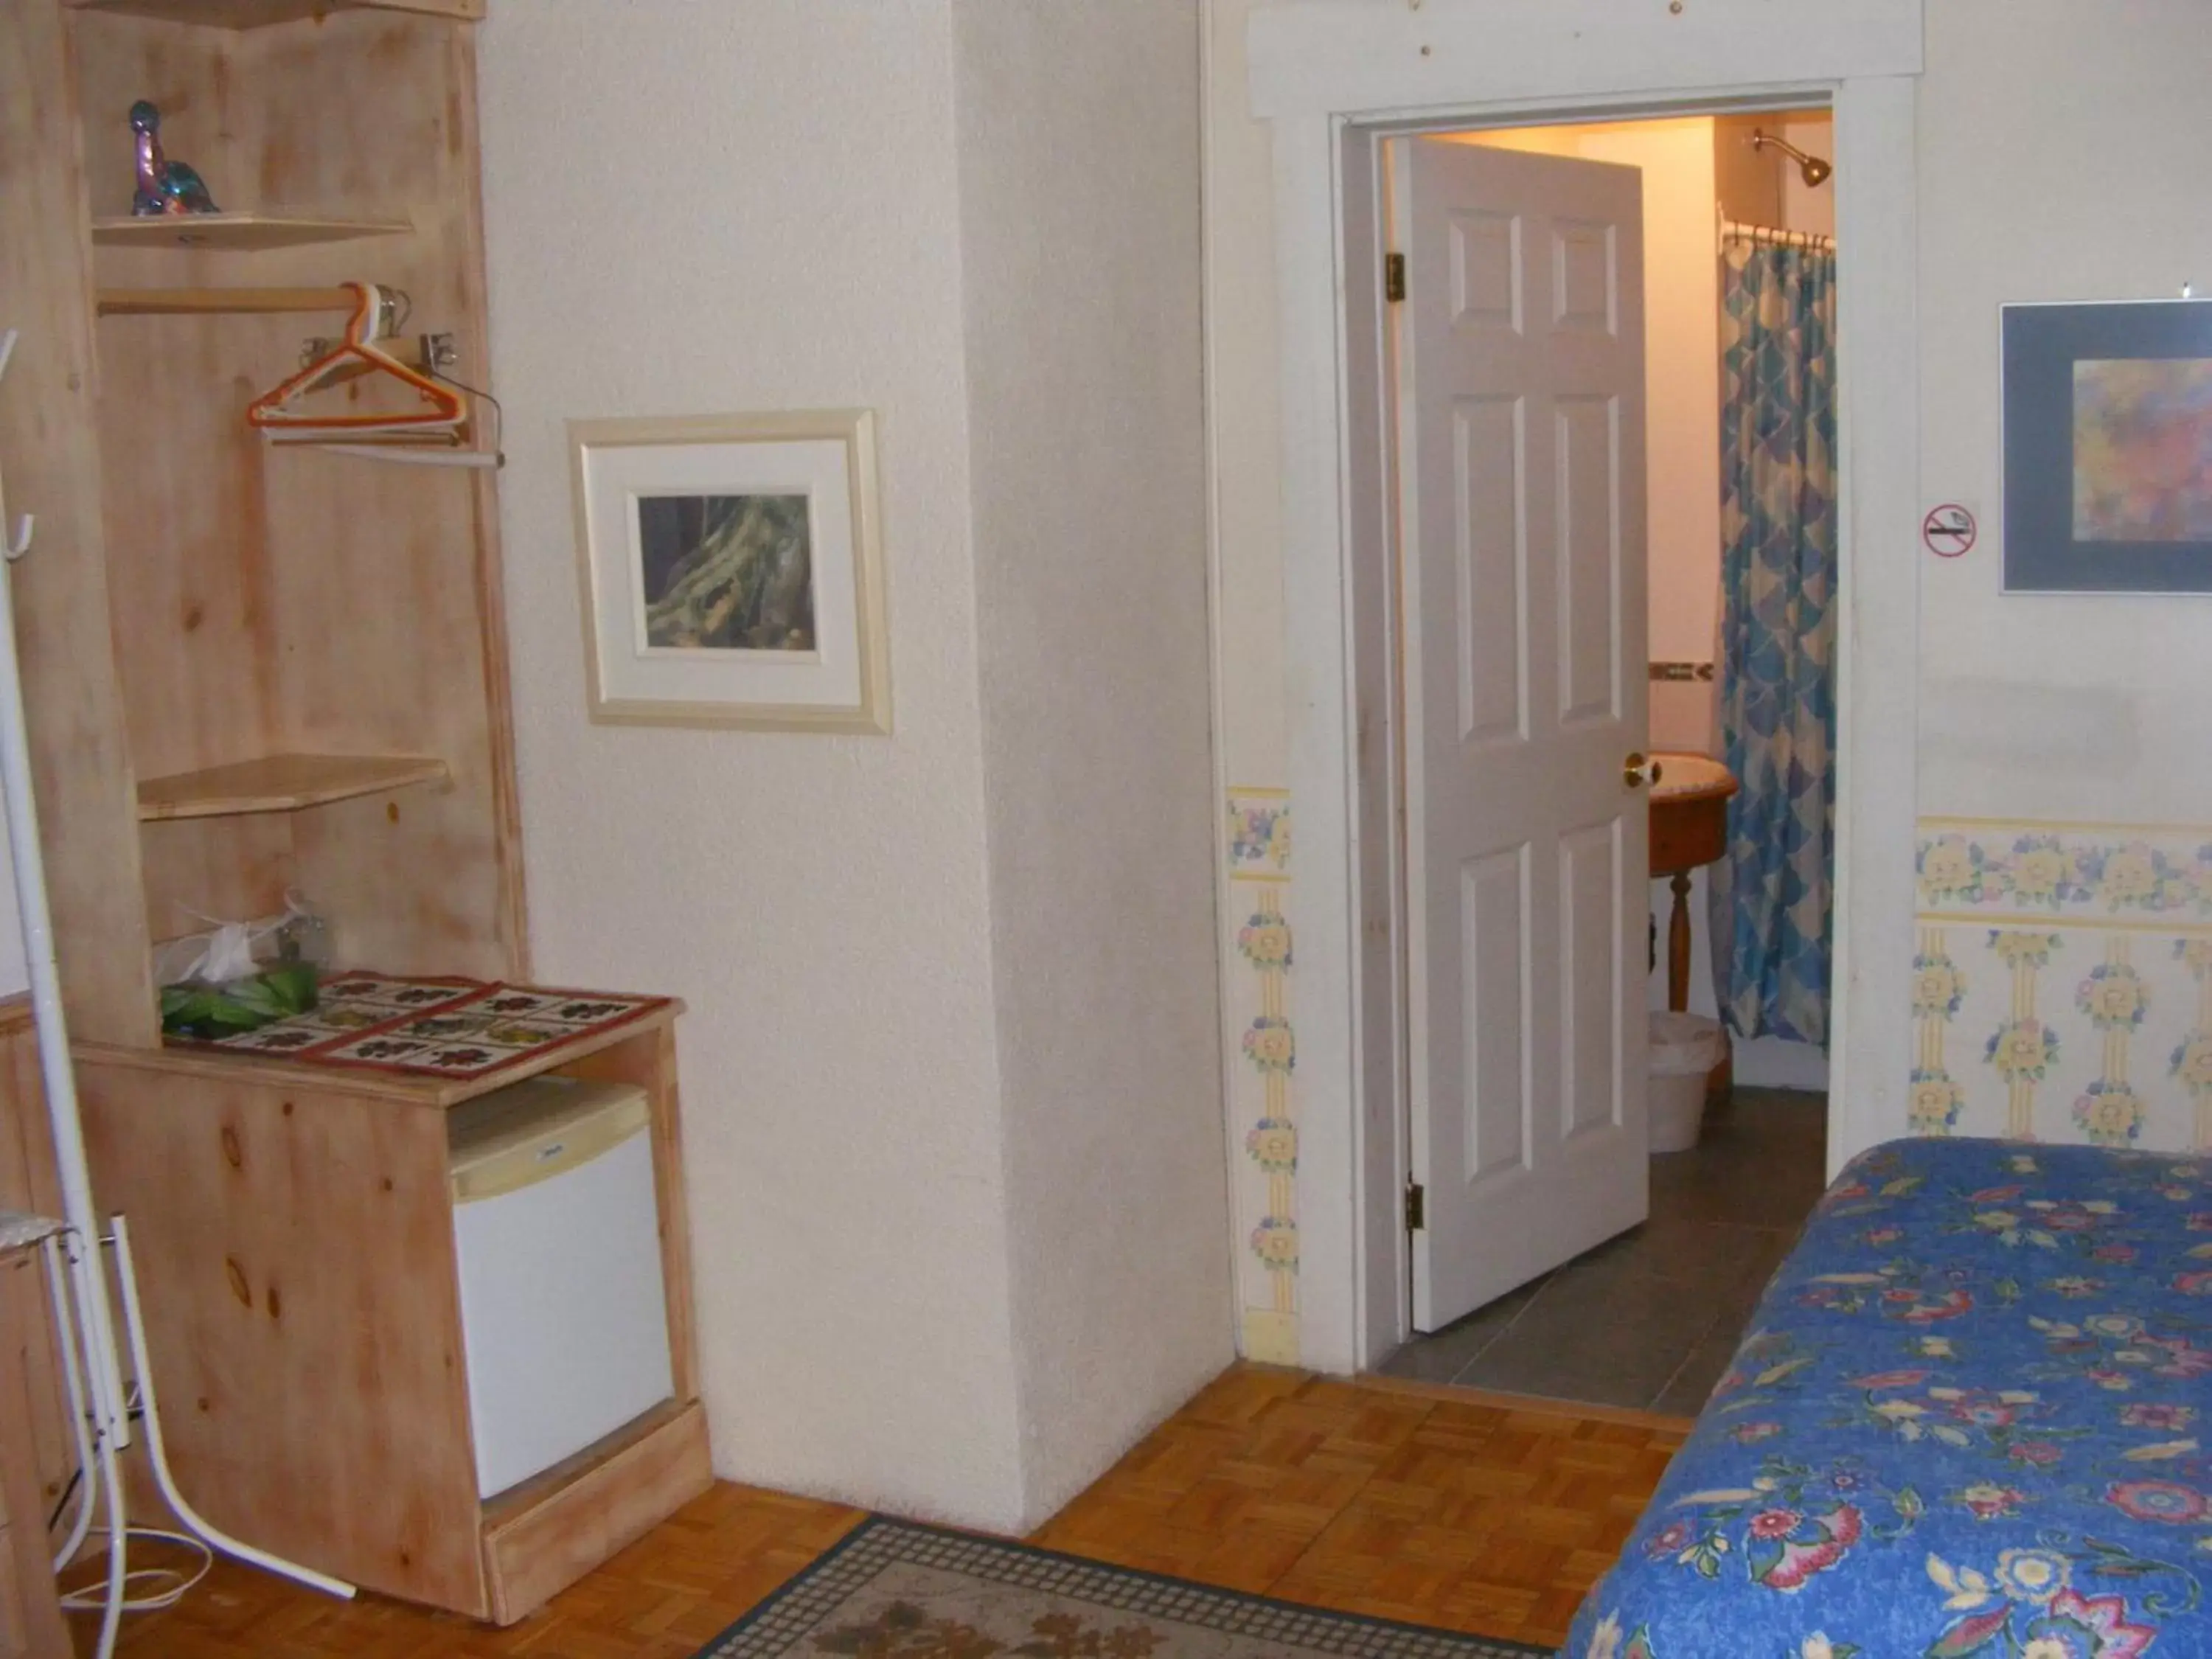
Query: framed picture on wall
{"type": "Point", "coordinates": [732, 571]}
{"type": "Point", "coordinates": [2108, 447]}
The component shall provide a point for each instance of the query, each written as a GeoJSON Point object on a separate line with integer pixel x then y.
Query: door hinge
{"type": "Point", "coordinates": [1394, 277]}
{"type": "Point", "coordinates": [1417, 1207]}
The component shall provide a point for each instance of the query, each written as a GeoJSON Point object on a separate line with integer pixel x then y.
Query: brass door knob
{"type": "Point", "coordinates": [1640, 769]}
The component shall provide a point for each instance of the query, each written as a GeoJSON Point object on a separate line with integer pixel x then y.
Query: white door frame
{"type": "Point", "coordinates": [1329, 75]}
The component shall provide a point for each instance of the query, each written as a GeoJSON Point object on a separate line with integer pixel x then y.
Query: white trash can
{"type": "Point", "coordinates": [1685, 1048]}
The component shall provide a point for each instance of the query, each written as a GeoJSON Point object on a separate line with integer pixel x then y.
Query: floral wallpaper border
{"type": "Point", "coordinates": [2076, 963]}
{"type": "Point", "coordinates": [1261, 1070]}
{"type": "Point", "coordinates": [1972, 867]}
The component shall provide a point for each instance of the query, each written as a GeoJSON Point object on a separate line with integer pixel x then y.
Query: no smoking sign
{"type": "Point", "coordinates": [1949, 531]}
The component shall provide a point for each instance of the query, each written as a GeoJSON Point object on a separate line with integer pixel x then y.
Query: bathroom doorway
{"type": "Point", "coordinates": [1725, 293]}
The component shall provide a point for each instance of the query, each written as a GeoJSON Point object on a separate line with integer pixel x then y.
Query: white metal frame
{"type": "Point", "coordinates": [100, 1407]}
{"type": "Point", "coordinates": [1330, 75]}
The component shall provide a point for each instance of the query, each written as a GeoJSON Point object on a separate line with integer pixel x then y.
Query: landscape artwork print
{"type": "Point", "coordinates": [726, 572]}
{"type": "Point", "coordinates": [2142, 449]}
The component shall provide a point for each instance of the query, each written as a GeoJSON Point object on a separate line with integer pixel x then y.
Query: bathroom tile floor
{"type": "Point", "coordinates": [1651, 1320]}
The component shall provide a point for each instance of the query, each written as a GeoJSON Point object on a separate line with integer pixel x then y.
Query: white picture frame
{"type": "Point", "coordinates": [732, 571]}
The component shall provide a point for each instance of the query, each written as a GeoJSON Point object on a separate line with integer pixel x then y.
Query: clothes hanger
{"type": "Point", "coordinates": [431, 434]}
{"type": "Point", "coordinates": [273, 410]}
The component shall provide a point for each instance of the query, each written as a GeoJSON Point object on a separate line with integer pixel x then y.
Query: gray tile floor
{"type": "Point", "coordinates": [1651, 1320]}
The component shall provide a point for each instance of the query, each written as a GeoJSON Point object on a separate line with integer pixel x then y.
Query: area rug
{"type": "Point", "coordinates": [892, 1590]}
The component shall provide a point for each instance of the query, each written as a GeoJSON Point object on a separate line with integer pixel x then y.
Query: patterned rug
{"type": "Point", "coordinates": [895, 1590]}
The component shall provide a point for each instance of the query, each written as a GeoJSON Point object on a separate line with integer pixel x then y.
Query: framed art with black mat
{"type": "Point", "coordinates": [2108, 447]}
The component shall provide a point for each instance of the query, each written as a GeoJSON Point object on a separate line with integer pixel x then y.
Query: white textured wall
{"type": "Point", "coordinates": [695, 207]}
{"type": "Point", "coordinates": [1079, 219]}
{"type": "Point", "coordinates": [2051, 708]}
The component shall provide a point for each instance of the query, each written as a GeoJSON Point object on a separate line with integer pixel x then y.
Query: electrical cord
{"type": "Point", "coordinates": [174, 1580]}
{"type": "Point", "coordinates": [61, 1503]}
{"type": "Point", "coordinates": [499, 413]}
{"type": "Point", "coordinates": [138, 1414]}
{"type": "Point", "coordinates": [169, 1583]}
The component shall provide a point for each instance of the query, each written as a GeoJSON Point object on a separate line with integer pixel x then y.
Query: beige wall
{"type": "Point", "coordinates": [951, 1090]}
{"type": "Point", "coordinates": [1748, 180]}
{"type": "Point", "coordinates": [1808, 207]}
{"type": "Point", "coordinates": [1078, 129]}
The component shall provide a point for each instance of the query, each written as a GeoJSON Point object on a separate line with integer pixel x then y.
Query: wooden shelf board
{"type": "Point", "coordinates": [255, 14]}
{"type": "Point", "coordinates": [236, 233]}
{"type": "Point", "coordinates": [281, 783]}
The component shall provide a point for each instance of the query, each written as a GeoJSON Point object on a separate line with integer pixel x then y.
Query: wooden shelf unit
{"type": "Point", "coordinates": [235, 232]}
{"type": "Point", "coordinates": [196, 594]}
{"type": "Point", "coordinates": [261, 14]}
{"type": "Point", "coordinates": [282, 783]}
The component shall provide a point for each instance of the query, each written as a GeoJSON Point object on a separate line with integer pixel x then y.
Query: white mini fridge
{"type": "Point", "coordinates": [557, 1234]}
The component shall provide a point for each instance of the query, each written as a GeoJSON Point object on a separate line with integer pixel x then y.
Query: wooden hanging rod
{"type": "Point", "coordinates": [203, 301]}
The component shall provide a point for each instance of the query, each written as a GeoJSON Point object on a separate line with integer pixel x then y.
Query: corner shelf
{"type": "Point", "coordinates": [256, 14]}
{"type": "Point", "coordinates": [235, 232]}
{"type": "Point", "coordinates": [281, 783]}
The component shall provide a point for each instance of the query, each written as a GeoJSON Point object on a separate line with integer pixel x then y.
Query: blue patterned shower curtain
{"type": "Point", "coordinates": [1772, 892]}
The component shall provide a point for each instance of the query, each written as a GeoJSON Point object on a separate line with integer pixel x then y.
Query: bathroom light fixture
{"type": "Point", "coordinates": [1815, 171]}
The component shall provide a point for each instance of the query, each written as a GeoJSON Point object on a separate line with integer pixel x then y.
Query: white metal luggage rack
{"type": "Point", "coordinates": [99, 1406]}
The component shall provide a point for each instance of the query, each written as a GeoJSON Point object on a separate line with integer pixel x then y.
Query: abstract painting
{"type": "Point", "coordinates": [731, 568]}
{"type": "Point", "coordinates": [726, 572]}
{"type": "Point", "coordinates": [2108, 446]}
{"type": "Point", "coordinates": [2142, 449]}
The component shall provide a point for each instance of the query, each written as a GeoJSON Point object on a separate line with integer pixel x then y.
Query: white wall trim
{"type": "Point", "coordinates": [1878, 428]}
{"type": "Point", "coordinates": [1318, 67]}
{"type": "Point", "coordinates": [1363, 59]}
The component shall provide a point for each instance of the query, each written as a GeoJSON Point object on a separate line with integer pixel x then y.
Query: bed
{"type": "Point", "coordinates": [1965, 1421]}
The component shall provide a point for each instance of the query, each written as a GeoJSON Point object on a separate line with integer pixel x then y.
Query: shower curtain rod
{"type": "Point", "coordinates": [1771, 236]}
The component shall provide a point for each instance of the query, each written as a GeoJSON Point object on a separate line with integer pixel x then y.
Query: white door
{"type": "Point", "coordinates": [1519, 358]}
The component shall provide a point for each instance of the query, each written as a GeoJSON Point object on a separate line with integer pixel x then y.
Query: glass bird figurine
{"type": "Point", "coordinates": [164, 186]}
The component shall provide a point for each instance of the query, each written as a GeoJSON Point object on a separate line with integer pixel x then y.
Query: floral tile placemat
{"type": "Point", "coordinates": [435, 1027]}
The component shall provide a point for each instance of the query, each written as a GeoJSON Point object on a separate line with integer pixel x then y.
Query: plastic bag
{"type": "Point", "coordinates": [241, 976]}
{"type": "Point", "coordinates": [239, 950]}
{"type": "Point", "coordinates": [212, 958]}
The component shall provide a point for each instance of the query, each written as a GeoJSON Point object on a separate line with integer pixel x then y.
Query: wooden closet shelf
{"type": "Point", "coordinates": [255, 14]}
{"type": "Point", "coordinates": [281, 783]}
{"type": "Point", "coordinates": [236, 233]}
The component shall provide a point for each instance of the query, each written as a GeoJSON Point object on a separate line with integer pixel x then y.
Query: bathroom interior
{"type": "Point", "coordinates": [1739, 315]}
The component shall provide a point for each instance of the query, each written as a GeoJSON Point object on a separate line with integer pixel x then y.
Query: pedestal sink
{"type": "Point", "coordinates": [1689, 827]}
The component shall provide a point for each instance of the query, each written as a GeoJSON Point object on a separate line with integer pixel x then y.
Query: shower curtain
{"type": "Point", "coordinates": [1771, 893]}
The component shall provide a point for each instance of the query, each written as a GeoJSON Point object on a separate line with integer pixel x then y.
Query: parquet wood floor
{"type": "Point", "coordinates": [1442, 1507]}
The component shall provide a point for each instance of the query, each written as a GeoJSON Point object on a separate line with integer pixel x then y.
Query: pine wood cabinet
{"type": "Point", "coordinates": [253, 669]}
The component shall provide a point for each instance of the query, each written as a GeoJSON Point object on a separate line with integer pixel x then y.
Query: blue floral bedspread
{"type": "Point", "coordinates": [1972, 1416]}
